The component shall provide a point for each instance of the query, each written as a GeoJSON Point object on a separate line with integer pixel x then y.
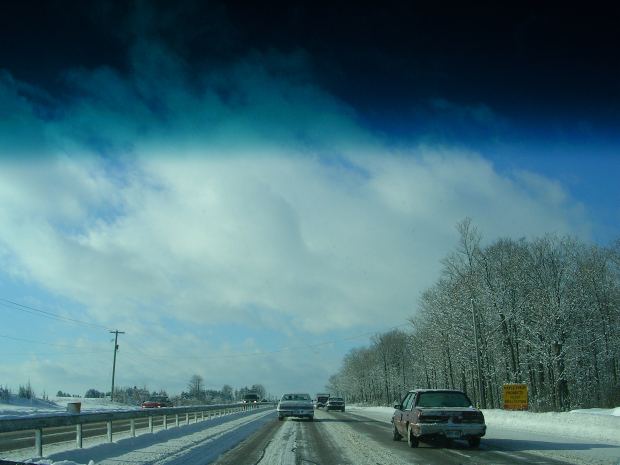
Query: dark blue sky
{"type": "Point", "coordinates": [529, 85]}
{"type": "Point", "coordinates": [535, 64]}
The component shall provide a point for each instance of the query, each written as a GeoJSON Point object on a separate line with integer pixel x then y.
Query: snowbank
{"type": "Point", "coordinates": [599, 411]}
{"type": "Point", "coordinates": [583, 424]}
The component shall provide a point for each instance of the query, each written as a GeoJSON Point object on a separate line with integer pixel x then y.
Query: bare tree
{"type": "Point", "coordinates": [195, 387]}
{"type": "Point", "coordinates": [545, 312]}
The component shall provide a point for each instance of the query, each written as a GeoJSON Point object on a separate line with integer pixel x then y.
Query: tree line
{"type": "Point", "coordinates": [195, 393]}
{"type": "Point", "coordinates": [545, 312]}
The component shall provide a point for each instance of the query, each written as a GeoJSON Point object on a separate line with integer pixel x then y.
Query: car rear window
{"type": "Point", "coordinates": [295, 397]}
{"type": "Point", "coordinates": [443, 399]}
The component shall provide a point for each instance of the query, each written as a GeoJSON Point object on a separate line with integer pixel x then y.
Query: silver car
{"type": "Point", "coordinates": [296, 405]}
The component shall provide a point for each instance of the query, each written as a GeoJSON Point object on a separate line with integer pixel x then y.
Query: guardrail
{"type": "Point", "coordinates": [38, 424]}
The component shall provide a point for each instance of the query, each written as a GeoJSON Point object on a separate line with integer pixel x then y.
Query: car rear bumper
{"type": "Point", "coordinates": [298, 413]}
{"type": "Point", "coordinates": [450, 431]}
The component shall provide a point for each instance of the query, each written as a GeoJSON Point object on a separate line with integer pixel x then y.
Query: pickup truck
{"type": "Point", "coordinates": [437, 413]}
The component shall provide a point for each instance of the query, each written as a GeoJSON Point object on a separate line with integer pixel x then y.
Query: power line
{"type": "Point", "coordinates": [54, 354]}
{"type": "Point", "coordinates": [33, 341]}
{"type": "Point", "coordinates": [46, 314]}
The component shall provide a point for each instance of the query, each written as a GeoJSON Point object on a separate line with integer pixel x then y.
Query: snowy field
{"type": "Point", "coordinates": [19, 408]}
{"type": "Point", "coordinates": [584, 437]}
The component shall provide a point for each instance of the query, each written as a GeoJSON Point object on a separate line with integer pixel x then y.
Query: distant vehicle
{"type": "Point", "coordinates": [295, 405]}
{"type": "Point", "coordinates": [251, 398]}
{"type": "Point", "coordinates": [335, 403]}
{"type": "Point", "coordinates": [321, 400]}
{"type": "Point", "coordinates": [157, 402]}
{"type": "Point", "coordinates": [430, 413]}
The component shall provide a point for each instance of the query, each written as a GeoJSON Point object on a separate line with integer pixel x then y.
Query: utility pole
{"type": "Point", "coordinates": [116, 332]}
{"type": "Point", "coordinates": [480, 394]}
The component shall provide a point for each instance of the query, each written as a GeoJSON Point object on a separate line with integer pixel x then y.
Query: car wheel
{"type": "Point", "coordinates": [395, 434]}
{"type": "Point", "coordinates": [474, 442]}
{"type": "Point", "coordinates": [411, 439]}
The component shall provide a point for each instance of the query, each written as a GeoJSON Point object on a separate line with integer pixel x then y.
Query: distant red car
{"type": "Point", "coordinates": [157, 402]}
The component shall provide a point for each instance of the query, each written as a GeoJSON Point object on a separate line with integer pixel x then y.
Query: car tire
{"type": "Point", "coordinates": [474, 443]}
{"type": "Point", "coordinates": [396, 436]}
{"type": "Point", "coordinates": [411, 439]}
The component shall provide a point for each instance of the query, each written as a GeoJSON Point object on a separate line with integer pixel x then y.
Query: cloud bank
{"type": "Point", "coordinates": [244, 195]}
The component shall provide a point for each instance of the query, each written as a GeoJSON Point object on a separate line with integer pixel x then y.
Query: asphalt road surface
{"type": "Point", "coordinates": [336, 438]}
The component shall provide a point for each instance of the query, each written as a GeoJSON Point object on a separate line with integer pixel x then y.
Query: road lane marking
{"type": "Point", "coordinates": [457, 452]}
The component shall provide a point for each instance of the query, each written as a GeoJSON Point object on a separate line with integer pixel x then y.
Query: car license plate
{"type": "Point", "coordinates": [453, 434]}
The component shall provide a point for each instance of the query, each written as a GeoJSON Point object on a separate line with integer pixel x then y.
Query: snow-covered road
{"type": "Point", "coordinates": [361, 436]}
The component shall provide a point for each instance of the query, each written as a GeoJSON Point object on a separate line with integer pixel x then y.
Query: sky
{"type": "Point", "coordinates": [250, 192]}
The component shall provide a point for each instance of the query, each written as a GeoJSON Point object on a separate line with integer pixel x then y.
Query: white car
{"type": "Point", "coordinates": [296, 405]}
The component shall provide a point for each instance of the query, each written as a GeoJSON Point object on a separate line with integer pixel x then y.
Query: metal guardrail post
{"type": "Point", "coordinates": [176, 420]}
{"type": "Point", "coordinates": [109, 428]}
{"type": "Point", "coordinates": [202, 416]}
{"type": "Point", "coordinates": [165, 421]}
{"type": "Point", "coordinates": [187, 418]}
{"type": "Point", "coordinates": [132, 428]}
{"type": "Point", "coordinates": [38, 442]}
{"type": "Point", "coordinates": [151, 424]}
{"type": "Point", "coordinates": [78, 435]}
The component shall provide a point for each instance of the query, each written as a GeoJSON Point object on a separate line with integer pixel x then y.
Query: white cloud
{"type": "Point", "coordinates": [215, 238]}
{"type": "Point", "coordinates": [254, 199]}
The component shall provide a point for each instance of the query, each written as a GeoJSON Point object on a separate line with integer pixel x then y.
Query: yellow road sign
{"type": "Point", "coordinates": [515, 396]}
